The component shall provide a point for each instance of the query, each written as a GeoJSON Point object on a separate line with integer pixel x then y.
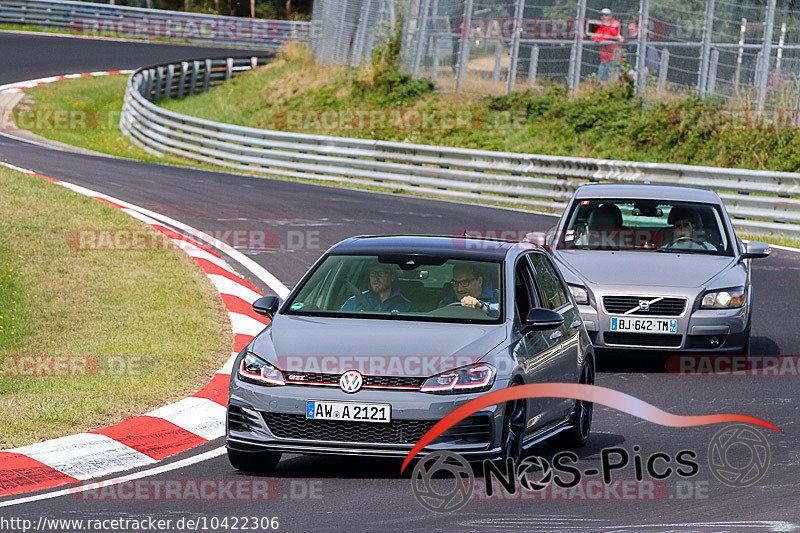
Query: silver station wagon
{"type": "Point", "coordinates": [656, 268]}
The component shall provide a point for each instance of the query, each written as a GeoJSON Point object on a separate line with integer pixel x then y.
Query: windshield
{"type": "Point", "coordinates": [410, 287]}
{"type": "Point", "coordinates": [646, 225]}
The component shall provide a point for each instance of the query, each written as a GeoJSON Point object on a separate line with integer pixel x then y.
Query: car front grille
{"type": "Point", "coordinates": [474, 429]}
{"type": "Point", "coordinates": [663, 307]}
{"type": "Point", "coordinates": [388, 382]}
{"type": "Point", "coordinates": [642, 339]}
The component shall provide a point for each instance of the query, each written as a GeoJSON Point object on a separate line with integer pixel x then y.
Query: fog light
{"type": "Point", "coordinates": [714, 342]}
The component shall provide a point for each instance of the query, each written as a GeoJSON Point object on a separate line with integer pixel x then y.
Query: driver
{"type": "Point", "coordinates": [685, 224]}
{"type": "Point", "coordinates": [471, 290]}
{"type": "Point", "coordinates": [383, 294]}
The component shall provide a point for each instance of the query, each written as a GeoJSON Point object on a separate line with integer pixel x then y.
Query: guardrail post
{"type": "Point", "coordinates": [159, 83]}
{"type": "Point", "coordinates": [170, 78]}
{"type": "Point", "coordinates": [193, 79]}
{"type": "Point", "coordinates": [663, 68]}
{"type": "Point", "coordinates": [182, 79]}
{"type": "Point", "coordinates": [253, 63]}
{"type": "Point", "coordinates": [207, 76]}
{"type": "Point", "coordinates": [228, 68]}
{"type": "Point", "coordinates": [712, 73]}
{"type": "Point", "coordinates": [464, 44]}
{"type": "Point", "coordinates": [533, 66]}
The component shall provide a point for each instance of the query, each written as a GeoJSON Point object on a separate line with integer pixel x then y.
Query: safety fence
{"type": "Point", "coordinates": [90, 19]}
{"type": "Point", "coordinates": [760, 202]}
{"type": "Point", "coordinates": [744, 51]}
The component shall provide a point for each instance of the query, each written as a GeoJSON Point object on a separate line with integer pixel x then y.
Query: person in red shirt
{"type": "Point", "coordinates": [608, 31]}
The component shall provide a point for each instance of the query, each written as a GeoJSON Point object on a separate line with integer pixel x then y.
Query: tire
{"type": "Point", "coordinates": [514, 421]}
{"type": "Point", "coordinates": [746, 347]}
{"type": "Point", "coordinates": [581, 419]}
{"type": "Point", "coordinates": [254, 461]}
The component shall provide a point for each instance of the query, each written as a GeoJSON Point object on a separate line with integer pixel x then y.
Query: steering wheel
{"type": "Point", "coordinates": [682, 239]}
{"type": "Point", "coordinates": [465, 311]}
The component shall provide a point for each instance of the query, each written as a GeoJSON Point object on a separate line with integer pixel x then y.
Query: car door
{"type": "Point", "coordinates": [552, 295]}
{"type": "Point", "coordinates": [535, 350]}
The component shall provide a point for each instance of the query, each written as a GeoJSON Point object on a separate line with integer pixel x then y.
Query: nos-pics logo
{"type": "Point", "coordinates": [443, 481]}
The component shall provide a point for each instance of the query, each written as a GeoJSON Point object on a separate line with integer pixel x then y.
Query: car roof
{"type": "Point", "coordinates": [646, 192]}
{"type": "Point", "coordinates": [455, 246]}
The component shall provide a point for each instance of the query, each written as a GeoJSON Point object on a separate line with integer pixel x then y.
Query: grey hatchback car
{"type": "Point", "coordinates": [656, 268]}
{"type": "Point", "coordinates": [385, 335]}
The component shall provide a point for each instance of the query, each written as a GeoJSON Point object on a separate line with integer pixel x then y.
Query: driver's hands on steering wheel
{"type": "Point", "coordinates": [684, 239]}
{"type": "Point", "coordinates": [471, 301]}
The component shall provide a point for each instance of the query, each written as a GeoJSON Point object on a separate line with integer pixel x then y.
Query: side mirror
{"type": "Point", "coordinates": [540, 318]}
{"type": "Point", "coordinates": [267, 305]}
{"type": "Point", "coordinates": [756, 250]}
{"type": "Point", "coordinates": [540, 238]}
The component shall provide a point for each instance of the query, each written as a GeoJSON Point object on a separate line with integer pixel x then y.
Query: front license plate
{"type": "Point", "coordinates": [352, 411]}
{"type": "Point", "coordinates": [644, 325]}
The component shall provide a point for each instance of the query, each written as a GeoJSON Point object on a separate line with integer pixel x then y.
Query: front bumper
{"type": "Point", "coordinates": [698, 331]}
{"type": "Point", "coordinates": [273, 418]}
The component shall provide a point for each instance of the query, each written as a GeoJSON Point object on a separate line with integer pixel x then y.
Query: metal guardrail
{"type": "Point", "coordinates": [760, 202]}
{"type": "Point", "coordinates": [86, 18]}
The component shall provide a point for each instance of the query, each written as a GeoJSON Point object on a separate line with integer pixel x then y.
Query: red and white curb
{"type": "Point", "coordinates": [22, 85]}
{"type": "Point", "coordinates": [171, 429]}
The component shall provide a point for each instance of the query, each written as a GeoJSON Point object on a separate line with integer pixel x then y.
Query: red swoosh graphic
{"type": "Point", "coordinates": [588, 393]}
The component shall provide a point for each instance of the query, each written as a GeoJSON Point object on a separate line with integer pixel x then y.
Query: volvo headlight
{"type": "Point", "coordinates": [473, 378]}
{"type": "Point", "coordinates": [724, 299]}
{"type": "Point", "coordinates": [580, 293]}
{"type": "Point", "coordinates": [256, 370]}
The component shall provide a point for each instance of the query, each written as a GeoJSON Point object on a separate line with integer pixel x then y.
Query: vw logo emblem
{"type": "Point", "coordinates": [351, 381]}
{"type": "Point", "coordinates": [644, 305]}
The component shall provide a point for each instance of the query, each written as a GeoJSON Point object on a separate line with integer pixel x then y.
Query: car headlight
{"type": "Point", "coordinates": [256, 370]}
{"type": "Point", "coordinates": [472, 378]}
{"type": "Point", "coordinates": [580, 293]}
{"type": "Point", "coordinates": [724, 299]}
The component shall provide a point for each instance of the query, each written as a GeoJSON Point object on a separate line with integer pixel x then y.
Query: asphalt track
{"type": "Point", "coordinates": [369, 494]}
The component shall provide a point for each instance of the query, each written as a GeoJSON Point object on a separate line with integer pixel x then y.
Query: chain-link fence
{"type": "Point", "coordinates": [745, 51]}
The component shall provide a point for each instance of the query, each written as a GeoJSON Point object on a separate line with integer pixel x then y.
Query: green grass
{"type": "Point", "coordinates": [146, 325]}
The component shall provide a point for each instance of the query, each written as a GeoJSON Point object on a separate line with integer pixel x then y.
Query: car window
{"type": "Point", "coordinates": [646, 225]}
{"type": "Point", "coordinates": [413, 287]}
{"type": "Point", "coordinates": [550, 288]}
